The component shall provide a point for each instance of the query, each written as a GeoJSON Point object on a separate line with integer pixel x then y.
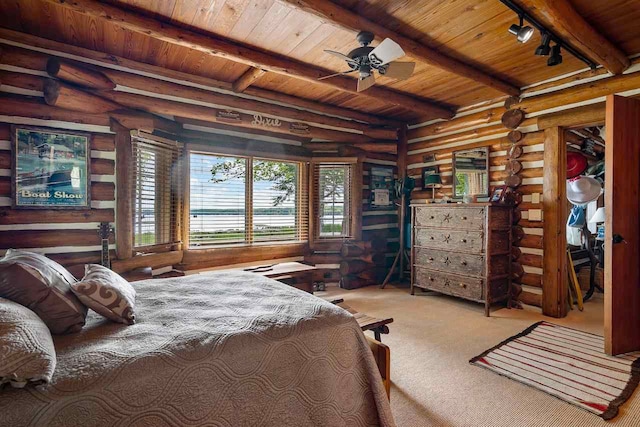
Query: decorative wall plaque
{"type": "Point", "coordinates": [228, 116]}
{"type": "Point", "coordinates": [299, 128]}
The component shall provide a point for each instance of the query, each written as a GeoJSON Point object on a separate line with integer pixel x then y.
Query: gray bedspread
{"type": "Point", "coordinates": [217, 349]}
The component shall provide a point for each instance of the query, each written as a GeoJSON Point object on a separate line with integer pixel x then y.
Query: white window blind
{"type": "Point", "coordinates": [332, 204]}
{"type": "Point", "coordinates": [157, 185]}
{"type": "Point", "coordinates": [226, 208]}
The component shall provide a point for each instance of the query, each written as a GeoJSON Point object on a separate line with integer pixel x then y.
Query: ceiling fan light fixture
{"type": "Point", "coordinates": [544, 49]}
{"type": "Point", "coordinates": [522, 32]}
{"type": "Point", "coordinates": [556, 56]}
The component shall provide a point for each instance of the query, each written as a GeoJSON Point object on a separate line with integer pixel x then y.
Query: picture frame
{"type": "Point", "coordinates": [497, 194]}
{"type": "Point", "coordinates": [50, 168]}
{"type": "Point", "coordinates": [382, 184]}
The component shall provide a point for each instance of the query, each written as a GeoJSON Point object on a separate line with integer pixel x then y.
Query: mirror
{"type": "Point", "coordinates": [471, 173]}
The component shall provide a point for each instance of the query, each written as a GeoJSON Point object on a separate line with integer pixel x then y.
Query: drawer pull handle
{"type": "Point", "coordinates": [464, 217]}
{"type": "Point", "coordinates": [431, 278]}
{"type": "Point", "coordinates": [464, 240]}
{"type": "Point", "coordinates": [430, 259]}
{"type": "Point", "coordinates": [432, 238]}
{"type": "Point", "coordinates": [433, 217]}
{"type": "Point", "coordinates": [462, 285]}
{"type": "Point", "coordinates": [464, 263]}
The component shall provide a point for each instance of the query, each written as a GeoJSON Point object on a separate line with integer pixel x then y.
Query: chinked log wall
{"type": "Point", "coordinates": [71, 236]}
{"type": "Point", "coordinates": [562, 102]}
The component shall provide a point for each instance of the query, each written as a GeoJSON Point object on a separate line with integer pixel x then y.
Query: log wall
{"type": "Point", "coordinates": [578, 98]}
{"type": "Point", "coordinates": [68, 236]}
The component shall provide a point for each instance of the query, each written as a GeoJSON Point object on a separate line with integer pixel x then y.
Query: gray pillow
{"type": "Point", "coordinates": [44, 286]}
{"type": "Point", "coordinates": [106, 293]}
{"type": "Point", "coordinates": [27, 355]}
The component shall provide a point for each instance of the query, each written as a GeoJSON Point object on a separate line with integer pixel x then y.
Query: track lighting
{"type": "Point", "coordinates": [544, 48]}
{"type": "Point", "coordinates": [523, 33]}
{"type": "Point", "coordinates": [556, 56]}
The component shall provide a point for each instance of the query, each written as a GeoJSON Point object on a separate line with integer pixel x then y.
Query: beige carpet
{"type": "Point", "coordinates": [432, 339]}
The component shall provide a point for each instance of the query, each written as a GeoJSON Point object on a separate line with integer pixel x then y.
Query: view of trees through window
{"type": "Point", "coordinates": [333, 192]}
{"type": "Point", "coordinates": [227, 208]}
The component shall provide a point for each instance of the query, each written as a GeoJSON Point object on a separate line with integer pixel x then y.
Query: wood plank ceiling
{"type": "Point", "coordinates": [472, 31]}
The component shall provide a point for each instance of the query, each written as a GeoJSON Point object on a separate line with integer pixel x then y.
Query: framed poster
{"type": "Point", "coordinates": [381, 184]}
{"type": "Point", "coordinates": [50, 168]}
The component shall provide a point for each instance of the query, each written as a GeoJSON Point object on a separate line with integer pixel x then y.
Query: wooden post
{"type": "Point", "coordinates": [124, 191]}
{"type": "Point", "coordinates": [554, 275]}
{"type": "Point", "coordinates": [356, 199]}
{"type": "Point", "coordinates": [402, 173]}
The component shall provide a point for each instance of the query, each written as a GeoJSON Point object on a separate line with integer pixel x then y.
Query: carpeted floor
{"type": "Point", "coordinates": [432, 339]}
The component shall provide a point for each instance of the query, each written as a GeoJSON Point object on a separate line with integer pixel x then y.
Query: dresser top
{"type": "Point", "coordinates": [459, 205]}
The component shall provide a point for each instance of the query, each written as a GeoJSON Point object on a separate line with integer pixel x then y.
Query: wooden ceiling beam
{"type": "Point", "coordinates": [242, 53]}
{"type": "Point", "coordinates": [345, 18]}
{"type": "Point", "coordinates": [566, 22]}
{"type": "Point", "coordinates": [37, 61]}
{"type": "Point", "coordinates": [247, 79]}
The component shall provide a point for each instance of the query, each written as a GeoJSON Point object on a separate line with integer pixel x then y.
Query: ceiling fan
{"type": "Point", "coordinates": [366, 59]}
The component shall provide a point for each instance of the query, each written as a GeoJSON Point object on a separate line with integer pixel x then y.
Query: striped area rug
{"type": "Point", "coordinates": [568, 364]}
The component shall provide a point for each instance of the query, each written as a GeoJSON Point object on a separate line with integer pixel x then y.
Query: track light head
{"type": "Point", "coordinates": [544, 49]}
{"type": "Point", "coordinates": [523, 33]}
{"type": "Point", "coordinates": [556, 56]}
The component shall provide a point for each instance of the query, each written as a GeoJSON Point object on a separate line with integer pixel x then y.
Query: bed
{"type": "Point", "coordinates": [216, 349]}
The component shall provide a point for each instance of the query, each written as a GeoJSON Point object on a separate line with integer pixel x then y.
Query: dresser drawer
{"type": "Point", "coordinates": [464, 287]}
{"type": "Point", "coordinates": [453, 262]}
{"type": "Point", "coordinates": [467, 218]}
{"type": "Point", "coordinates": [450, 240]}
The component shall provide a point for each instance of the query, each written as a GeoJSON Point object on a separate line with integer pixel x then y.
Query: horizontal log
{"type": "Point", "coordinates": [530, 241]}
{"type": "Point", "coordinates": [5, 159]}
{"type": "Point", "coordinates": [380, 219]}
{"type": "Point", "coordinates": [103, 143]}
{"type": "Point", "coordinates": [23, 106]}
{"type": "Point", "coordinates": [43, 216]}
{"type": "Point", "coordinates": [531, 260]}
{"type": "Point", "coordinates": [481, 118]}
{"type": "Point", "coordinates": [354, 282]}
{"type": "Point", "coordinates": [531, 279]}
{"type": "Point", "coordinates": [23, 81]}
{"type": "Point", "coordinates": [323, 258]}
{"type": "Point", "coordinates": [354, 266]}
{"type": "Point", "coordinates": [247, 79]}
{"type": "Point", "coordinates": [5, 186]}
{"type": "Point", "coordinates": [590, 115]}
{"type": "Point", "coordinates": [78, 258]}
{"type": "Point", "coordinates": [153, 260]}
{"type": "Point", "coordinates": [530, 298]}
{"type": "Point", "coordinates": [65, 96]}
{"type": "Point", "coordinates": [102, 167]}
{"type": "Point", "coordinates": [208, 258]}
{"type": "Point", "coordinates": [103, 191]}
{"type": "Point", "coordinates": [49, 238]}
{"type": "Point", "coordinates": [238, 119]}
{"type": "Point", "coordinates": [73, 73]}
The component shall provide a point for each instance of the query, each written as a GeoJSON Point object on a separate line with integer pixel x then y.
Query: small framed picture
{"type": "Point", "coordinates": [497, 194]}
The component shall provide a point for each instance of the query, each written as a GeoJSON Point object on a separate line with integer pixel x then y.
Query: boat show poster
{"type": "Point", "coordinates": [50, 168]}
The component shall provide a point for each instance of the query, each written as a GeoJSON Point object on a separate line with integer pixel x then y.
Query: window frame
{"type": "Point", "coordinates": [302, 207]}
{"type": "Point", "coordinates": [316, 241]}
{"type": "Point", "coordinates": [171, 188]}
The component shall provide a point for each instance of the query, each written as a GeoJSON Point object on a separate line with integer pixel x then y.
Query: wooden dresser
{"type": "Point", "coordinates": [463, 250]}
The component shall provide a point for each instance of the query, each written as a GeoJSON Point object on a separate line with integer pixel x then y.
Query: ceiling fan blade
{"type": "Point", "coordinates": [385, 52]}
{"type": "Point", "coordinates": [399, 70]}
{"type": "Point", "coordinates": [341, 56]}
{"type": "Point", "coordinates": [366, 83]}
{"type": "Point", "coordinates": [337, 74]}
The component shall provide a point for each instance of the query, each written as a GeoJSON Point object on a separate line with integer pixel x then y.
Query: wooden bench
{"type": "Point", "coordinates": [294, 274]}
{"type": "Point", "coordinates": [366, 322]}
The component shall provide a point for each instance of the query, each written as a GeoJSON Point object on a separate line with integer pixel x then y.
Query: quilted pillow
{"type": "Point", "coordinates": [44, 286]}
{"type": "Point", "coordinates": [27, 355]}
{"type": "Point", "coordinates": [107, 293]}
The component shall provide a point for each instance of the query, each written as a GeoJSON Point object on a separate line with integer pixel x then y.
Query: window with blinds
{"type": "Point", "coordinates": [227, 208]}
{"type": "Point", "coordinates": [332, 183]}
{"type": "Point", "coordinates": [157, 191]}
